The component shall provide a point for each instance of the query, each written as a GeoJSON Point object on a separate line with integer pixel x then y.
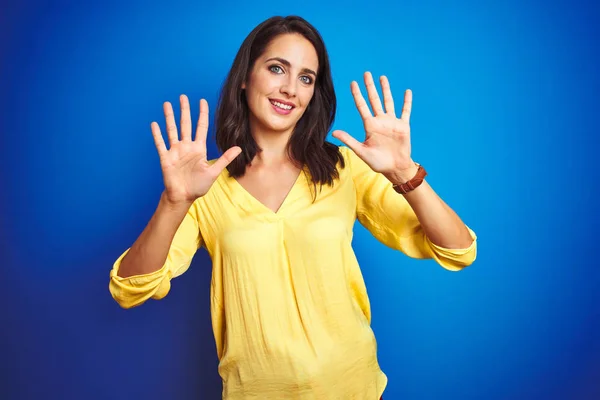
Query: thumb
{"type": "Point", "coordinates": [348, 140]}
{"type": "Point", "coordinates": [226, 159]}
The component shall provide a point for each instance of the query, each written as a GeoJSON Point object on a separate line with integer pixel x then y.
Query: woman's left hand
{"type": "Point", "coordinates": [386, 148]}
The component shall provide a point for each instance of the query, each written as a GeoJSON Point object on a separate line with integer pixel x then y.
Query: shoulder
{"type": "Point", "coordinates": [355, 165]}
{"type": "Point", "coordinates": [344, 152]}
{"type": "Point", "coordinates": [348, 156]}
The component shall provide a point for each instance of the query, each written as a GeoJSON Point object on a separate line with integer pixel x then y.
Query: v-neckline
{"type": "Point", "coordinates": [264, 206]}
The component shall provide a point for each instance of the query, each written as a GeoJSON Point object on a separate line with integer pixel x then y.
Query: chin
{"type": "Point", "coordinates": [273, 122]}
{"type": "Point", "coordinates": [279, 124]}
{"type": "Point", "coordinates": [279, 127]}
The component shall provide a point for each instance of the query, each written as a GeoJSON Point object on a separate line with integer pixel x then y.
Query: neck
{"type": "Point", "coordinates": [273, 145]}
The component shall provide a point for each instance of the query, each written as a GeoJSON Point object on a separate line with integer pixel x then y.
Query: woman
{"type": "Point", "coordinates": [289, 307]}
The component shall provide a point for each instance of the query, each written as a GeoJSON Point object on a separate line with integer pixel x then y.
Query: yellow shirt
{"type": "Point", "coordinates": [290, 311]}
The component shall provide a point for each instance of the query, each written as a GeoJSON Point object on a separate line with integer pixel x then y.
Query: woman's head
{"type": "Point", "coordinates": [281, 82]}
{"type": "Point", "coordinates": [282, 61]}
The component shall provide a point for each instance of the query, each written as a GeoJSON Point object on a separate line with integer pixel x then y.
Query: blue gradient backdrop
{"type": "Point", "coordinates": [504, 116]}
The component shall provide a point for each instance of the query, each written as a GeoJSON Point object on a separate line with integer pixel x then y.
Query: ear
{"type": "Point", "coordinates": [243, 85]}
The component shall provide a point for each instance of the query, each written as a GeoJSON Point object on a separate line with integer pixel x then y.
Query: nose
{"type": "Point", "coordinates": [289, 87]}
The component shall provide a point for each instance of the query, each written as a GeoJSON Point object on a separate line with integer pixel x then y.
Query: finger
{"type": "Point", "coordinates": [359, 100]}
{"type": "Point", "coordinates": [170, 119]}
{"type": "Point", "coordinates": [186, 120]}
{"type": "Point", "coordinates": [406, 109]}
{"type": "Point", "coordinates": [348, 140]}
{"type": "Point", "coordinates": [158, 139]}
{"type": "Point", "coordinates": [388, 100]}
{"type": "Point", "coordinates": [202, 128]}
{"type": "Point", "coordinates": [226, 159]}
{"type": "Point", "coordinates": [373, 95]}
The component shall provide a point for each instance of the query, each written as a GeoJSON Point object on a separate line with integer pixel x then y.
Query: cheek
{"type": "Point", "coordinates": [253, 96]}
{"type": "Point", "coordinates": [264, 82]}
{"type": "Point", "coordinates": [260, 92]}
{"type": "Point", "coordinates": [307, 96]}
{"type": "Point", "coordinates": [254, 86]}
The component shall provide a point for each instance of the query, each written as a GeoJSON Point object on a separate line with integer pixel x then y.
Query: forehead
{"type": "Point", "coordinates": [295, 48]}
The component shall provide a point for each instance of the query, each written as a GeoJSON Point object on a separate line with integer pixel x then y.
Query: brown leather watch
{"type": "Point", "coordinates": [413, 183]}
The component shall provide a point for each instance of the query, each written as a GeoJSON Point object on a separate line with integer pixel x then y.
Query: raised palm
{"type": "Point", "coordinates": [187, 174]}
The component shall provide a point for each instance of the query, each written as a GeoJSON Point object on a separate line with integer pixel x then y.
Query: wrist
{"type": "Point", "coordinates": [401, 176]}
{"type": "Point", "coordinates": [407, 180]}
{"type": "Point", "coordinates": [173, 206]}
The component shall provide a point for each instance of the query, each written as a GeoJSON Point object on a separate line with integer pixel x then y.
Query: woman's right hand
{"type": "Point", "coordinates": [187, 173]}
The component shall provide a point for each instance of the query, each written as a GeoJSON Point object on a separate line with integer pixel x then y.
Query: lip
{"type": "Point", "coordinates": [281, 111]}
{"type": "Point", "coordinates": [287, 103]}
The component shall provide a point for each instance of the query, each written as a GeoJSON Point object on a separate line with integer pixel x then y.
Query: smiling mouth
{"type": "Point", "coordinates": [281, 105]}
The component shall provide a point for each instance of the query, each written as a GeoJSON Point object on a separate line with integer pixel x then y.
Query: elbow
{"type": "Point", "coordinates": [458, 262]}
{"type": "Point", "coordinates": [124, 304]}
{"type": "Point", "coordinates": [128, 296]}
{"type": "Point", "coordinates": [456, 265]}
{"type": "Point", "coordinates": [455, 259]}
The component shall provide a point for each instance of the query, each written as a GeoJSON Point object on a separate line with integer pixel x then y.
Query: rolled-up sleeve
{"type": "Point", "coordinates": [135, 290]}
{"type": "Point", "coordinates": [391, 220]}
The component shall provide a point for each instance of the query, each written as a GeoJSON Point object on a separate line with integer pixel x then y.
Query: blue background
{"type": "Point", "coordinates": [504, 116]}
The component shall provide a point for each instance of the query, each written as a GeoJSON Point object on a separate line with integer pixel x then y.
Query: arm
{"type": "Point", "coordinates": [419, 223]}
{"type": "Point", "coordinates": [167, 245]}
{"type": "Point", "coordinates": [397, 223]}
{"type": "Point", "coordinates": [441, 224]}
{"type": "Point", "coordinates": [163, 251]}
{"type": "Point", "coordinates": [149, 252]}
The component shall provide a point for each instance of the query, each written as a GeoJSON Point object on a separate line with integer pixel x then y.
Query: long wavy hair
{"type": "Point", "coordinates": [307, 145]}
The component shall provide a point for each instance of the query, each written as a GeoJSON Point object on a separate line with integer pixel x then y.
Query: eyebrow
{"type": "Point", "coordinates": [288, 64]}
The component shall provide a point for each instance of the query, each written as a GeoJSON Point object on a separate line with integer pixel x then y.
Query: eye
{"type": "Point", "coordinates": [307, 79]}
{"type": "Point", "coordinates": [274, 68]}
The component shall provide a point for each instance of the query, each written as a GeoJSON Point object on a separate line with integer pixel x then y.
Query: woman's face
{"type": "Point", "coordinates": [281, 83]}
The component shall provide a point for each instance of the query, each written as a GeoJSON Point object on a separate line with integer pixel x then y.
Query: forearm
{"type": "Point", "coordinates": [440, 223]}
{"type": "Point", "coordinates": [149, 252]}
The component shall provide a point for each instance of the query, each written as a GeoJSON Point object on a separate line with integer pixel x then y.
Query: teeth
{"type": "Point", "coordinates": [282, 106]}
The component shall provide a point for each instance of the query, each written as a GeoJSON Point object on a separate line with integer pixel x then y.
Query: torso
{"type": "Point", "coordinates": [289, 306]}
